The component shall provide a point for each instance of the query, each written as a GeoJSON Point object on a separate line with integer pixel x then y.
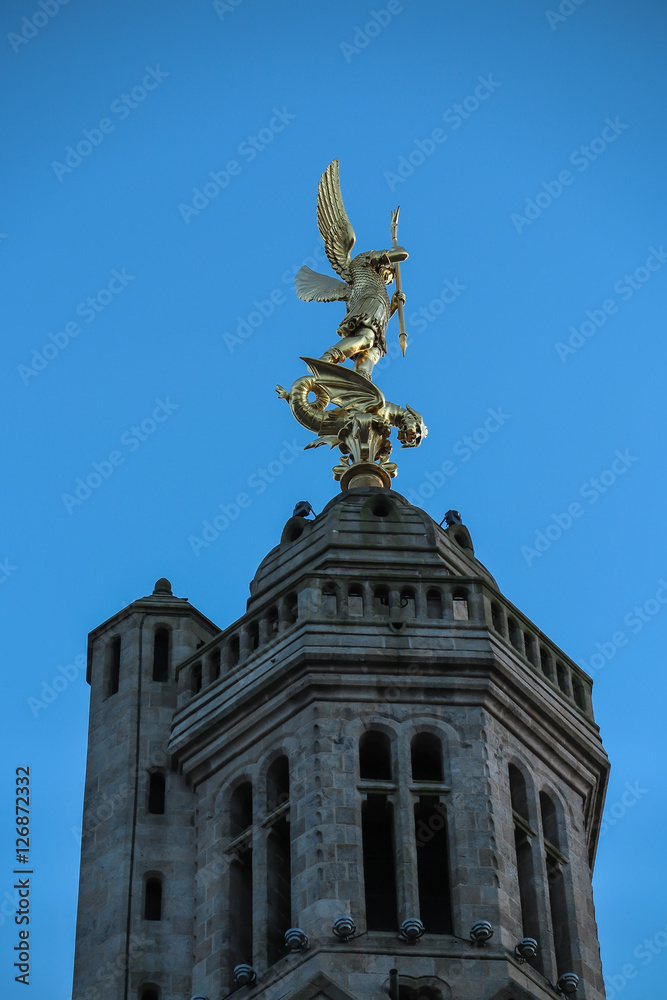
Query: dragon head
{"type": "Point", "coordinates": [411, 429]}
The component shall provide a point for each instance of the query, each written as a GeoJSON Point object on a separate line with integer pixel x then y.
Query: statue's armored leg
{"type": "Point", "coordinates": [366, 362]}
{"type": "Point", "coordinates": [349, 346]}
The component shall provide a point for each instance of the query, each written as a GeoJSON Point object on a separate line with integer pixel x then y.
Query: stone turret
{"type": "Point", "coordinates": [382, 737]}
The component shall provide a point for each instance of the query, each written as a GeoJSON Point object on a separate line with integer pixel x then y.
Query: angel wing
{"type": "Point", "coordinates": [311, 285]}
{"type": "Point", "coordinates": [334, 225]}
{"type": "Point", "coordinates": [345, 387]}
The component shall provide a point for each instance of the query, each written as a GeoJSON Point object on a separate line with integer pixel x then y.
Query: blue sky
{"type": "Point", "coordinates": [525, 143]}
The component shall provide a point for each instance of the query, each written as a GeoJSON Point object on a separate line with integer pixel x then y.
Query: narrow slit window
{"type": "Point", "coordinates": [546, 664]}
{"type": "Point", "coordinates": [196, 680]}
{"type": "Point", "coordinates": [234, 649]}
{"type": "Point", "coordinates": [253, 636]}
{"type": "Point", "coordinates": [496, 617]}
{"type": "Point", "coordinates": [515, 633]}
{"type": "Point", "coordinates": [156, 793]}
{"type": "Point", "coordinates": [240, 809]}
{"type": "Point", "coordinates": [355, 601]}
{"type": "Point", "coordinates": [377, 827]}
{"type": "Point", "coordinates": [435, 909]}
{"type": "Point", "coordinates": [563, 678]}
{"type": "Point", "coordinates": [153, 899]}
{"type": "Point", "coordinates": [434, 603]}
{"type": "Point", "coordinates": [279, 888]}
{"type": "Point", "coordinates": [375, 756]}
{"type": "Point", "coordinates": [240, 910]}
{"type": "Point", "coordinates": [272, 621]}
{"type": "Point", "coordinates": [381, 600]}
{"type": "Point", "coordinates": [530, 647]}
{"type": "Point", "coordinates": [277, 783]}
{"type": "Point", "coordinates": [214, 664]}
{"type": "Point", "coordinates": [525, 862]}
{"type": "Point", "coordinates": [560, 918]}
{"type": "Point", "coordinates": [161, 655]}
{"type": "Point", "coordinates": [292, 609]}
{"type": "Point", "coordinates": [579, 693]}
{"type": "Point", "coordinates": [113, 667]}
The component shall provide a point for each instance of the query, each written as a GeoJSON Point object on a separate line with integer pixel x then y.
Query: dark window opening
{"type": "Point", "coordinates": [460, 606]}
{"type": "Point", "coordinates": [562, 678]}
{"type": "Point", "coordinates": [560, 920]}
{"type": "Point", "coordinates": [496, 617]}
{"type": "Point", "coordinates": [381, 600]}
{"type": "Point", "coordinates": [426, 754]}
{"type": "Point", "coordinates": [375, 756]}
{"type": "Point", "coordinates": [240, 809]}
{"type": "Point", "coordinates": [435, 908]}
{"type": "Point", "coordinates": [515, 633]}
{"type": "Point", "coordinates": [156, 793]}
{"type": "Point", "coordinates": [355, 601]}
{"type": "Point", "coordinates": [530, 647]}
{"type": "Point", "coordinates": [240, 910]}
{"type": "Point", "coordinates": [292, 609]}
{"type": "Point", "coordinates": [277, 783]}
{"type": "Point", "coordinates": [377, 826]}
{"type": "Point", "coordinates": [408, 602]}
{"type": "Point", "coordinates": [113, 666]}
{"type": "Point", "coordinates": [279, 889]}
{"type": "Point", "coordinates": [195, 680]}
{"type": "Point", "coordinates": [579, 693]}
{"type": "Point", "coordinates": [434, 604]}
{"type": "Point", "coordinates": [253, 636]}
{"type": "Point", "coordinates": [153, 899]}
{"type": "Point", "coordinates": [272, 620]}
{"type": "Point", "coordinates": [149, 993]}
{"type": "Point", "coordinates": [518, 792]}
{"type": "Point", "coordinates": [214, 664]}
{"type": "Point", "coordinates": [329, 599]}
{"type": "Point", "coordinates": [234, 649]}
{"type": "Point", "coordinates": [546, 664]}
{"type": "Point", "coordinates": [161, 655]}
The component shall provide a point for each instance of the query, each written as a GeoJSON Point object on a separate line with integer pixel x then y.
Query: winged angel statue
{"type": "Point", "coordinates": [361, 419]}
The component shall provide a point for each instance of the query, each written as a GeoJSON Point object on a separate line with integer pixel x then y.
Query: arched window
{"type": "Point", "coordinates": [153, 899]}
{"type": "Point", "coordinates": [272, 622]}
{"type": "Point", "coordinates": [579, 693]}
{"type": "Point", "coordinates": [525, 861]}
{"type": "Point", "coordinates": [156, 792]}
{"type": "Point", "coordinates": [560, 918]}
{"type": "Point", "coordinates": [381, 600]}
{"type": "Point", "coordinates": [530, 648]}
{"type": "Point", "coordinates": [563, 678]}
{"type": "Point", "coordinates": [355, 601]}
{"type": "Point", "coordinates": [149, 991]}
{"type": "Point", "coordinates": [277, 783]}
{"type": "Point", "coordinates": [234, 651]}
{"type": "Point", "coordinates": [329, 599]}
{"type": "Point", "coordinates": [377, 829]}
{"type": "Point", "coordinates": [253, 636]}
{"type": "Point", "coordinates": [278, 859]}
{"type": "Point", "coordinates": [497, 618]}
{"type": "Point", "coordinates": [214, 664]}
{"type": "Point", "coordinates": [460, 605]}
{"type": "Point", "coordinates": [434, 603]}
{"type": "Point", "coordinates": [195, 679]}
{"type": "Point", "coordinates": [408, 602]}
{"type": "Point", "coordinates": [375, 756]}
{"type": "Point", "coordinates": [112, 671]}
{"type": "Point", "coordinates": [292, 609]}
{"type": "Point", "coordinates": [426, 755]}
{"type": "Point", "coordinates": [240, 809]}
{"type": "Point", "coordinates": [240, 877]}
{"type": "Point", "coordinates": [547, 664]}
{"type": "Point", "coordinates": [515, 633]}
{"type": "Point", "coordinates": [161, 655]}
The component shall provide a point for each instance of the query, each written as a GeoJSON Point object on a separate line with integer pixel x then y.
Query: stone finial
{"type": "Point", "coordinates": [163, 586]}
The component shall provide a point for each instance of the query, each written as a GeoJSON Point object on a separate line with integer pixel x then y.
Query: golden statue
{"type": "Point", "coordinates": [360, 422]}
